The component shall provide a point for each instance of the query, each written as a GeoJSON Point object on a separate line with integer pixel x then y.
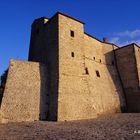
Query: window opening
{"type": "Point", "coordinates": [97, 73]}
{"type": "Point", "coordinates": [72, 33]}
{"type": "Point", "coordinates": [72, 54]}
{"type": "Point", "coordinates": [86, 70]}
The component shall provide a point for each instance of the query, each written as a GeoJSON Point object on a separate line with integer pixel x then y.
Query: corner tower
{"type": "Point", "coordinates": [128, 58]}
{"type": "Point", "coordinates": [44, 49]}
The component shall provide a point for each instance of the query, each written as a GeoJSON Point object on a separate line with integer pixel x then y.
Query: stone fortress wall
{"type": "Point", "coordinates": [21, 100]}
{"type": "Point", "coordinates": [70, 75]}
{"type": "Point", "coordinates": [128, 61]}
{"type": "Point", "coordinates": [79, 85]}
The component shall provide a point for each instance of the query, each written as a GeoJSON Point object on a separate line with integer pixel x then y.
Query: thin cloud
{"type": "Point", "coordinates": [126, 37]}
{"type": "Point", "coordinates": [117, 41]}
{"type": "Point", "coordinates": [131, 34]}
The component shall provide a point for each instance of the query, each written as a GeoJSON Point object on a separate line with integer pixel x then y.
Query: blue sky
{"type": "Point", "coordinates": [118, 20]}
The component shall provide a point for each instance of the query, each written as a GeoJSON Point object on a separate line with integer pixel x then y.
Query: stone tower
{"type": "Point", "coordinates": [128, 58]}
{"type": "Point", "coordinates": [81, 73]}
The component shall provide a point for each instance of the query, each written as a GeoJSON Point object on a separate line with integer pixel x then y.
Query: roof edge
{"type": "Point", "coordinates": [93, 37]}
{"type": "Point", "coordinates": [57, 13]}
{"type": "Point", "coordinates": [70, 17]}
{"type": "Point", "coordinates": [132, 44]}
{"type": "Point", "coordinates": [100, 40]}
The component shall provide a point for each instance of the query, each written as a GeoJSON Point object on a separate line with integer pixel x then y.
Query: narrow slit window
{"type": "Point", "coordinates": [37, 31]}
{"type": "Point", "coordinates": [97, 73]}
{"type": "Point", "coordinates": [94, 58]}
{"type": "Point", "coordinates": [86, 70]}
{"type": "Point", "coordinates": [72, 54]}
{"type": "Point", "coordinates": [72, 33]}
{"type": "Point", "coordinates": [112, 62]}
{"type": "Point", "coordinates": [100, 60]}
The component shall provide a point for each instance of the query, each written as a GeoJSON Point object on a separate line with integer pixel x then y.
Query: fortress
{"type": "Point", "coordinates": [70, 75]}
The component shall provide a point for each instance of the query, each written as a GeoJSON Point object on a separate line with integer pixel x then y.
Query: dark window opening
{"type": "Point", "coordinates": [37, 31]}
{"type": "Point", "coordinates": [97, 73]}
{"type": "Point", "coordinates": [100, 61]}
{"type": "Point", "coordinates": [112, 62]}
{"type": "Point", "coordinates": [72, 33]}
{"type": "Point", "coordinates": [86, 70]}
{"type": "Point", "coordinates": [94, 58]}
{"type": "Point", "coordinates": [72, 54]}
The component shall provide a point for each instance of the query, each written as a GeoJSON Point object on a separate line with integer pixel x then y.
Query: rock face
{"type": "Point", "coordinates": [70, 75]}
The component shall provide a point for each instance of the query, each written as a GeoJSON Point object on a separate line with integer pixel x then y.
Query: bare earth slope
{"type": "Point", "coordinates": [116, 127]}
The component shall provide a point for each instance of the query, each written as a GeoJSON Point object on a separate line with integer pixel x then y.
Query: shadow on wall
{"type": "Point", "coordinates": [3, 79]}
{"type": "Point", "coordinates": [114, 73]}
{"type": "Point", "coordinates": [49, 74]}
{"type": "Point", "coordinates": [43, 93]}
{"type": "Point", "coordinates": [1, 95]}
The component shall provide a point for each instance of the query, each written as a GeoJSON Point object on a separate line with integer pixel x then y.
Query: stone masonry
{"type": "Point", "coordinates": [70, 75]}
{"type": "Point", "coordinates": [24, 93]}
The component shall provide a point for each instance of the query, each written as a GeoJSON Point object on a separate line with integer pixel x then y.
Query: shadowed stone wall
{"type": "Point", "coordinates": [128, 64]}
{"type": "Point", "coordinates": [44, 49]}
{"type": "Point", "coordinates": [3, 79]}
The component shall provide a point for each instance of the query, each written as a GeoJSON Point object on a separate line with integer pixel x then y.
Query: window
{"type": "Point", "coordinates": [100, 60]}
{"type": "Point", "coordinates": [72, 33]}
{"type": "Point", "coordinates": [72, 54]}
{"type": "Point", "coordinates": [37, 31]}
{"type": "Point", "coordinates": [97, 73]}
{"type": "Point", "coordinates": [94, 58]}
{"type": "Point", "coordinates": [86, 70]}
{"type": "Point", "coordinates": [112, 62]}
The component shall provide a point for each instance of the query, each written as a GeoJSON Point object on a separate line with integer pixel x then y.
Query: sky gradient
{"type": "Point", "coordinates": [117, 20]}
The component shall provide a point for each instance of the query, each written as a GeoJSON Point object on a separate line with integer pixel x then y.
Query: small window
{"type": "Point", "coordinates": [86, 70]}
{"type": "Point", "coordinates": [112, 62]}
{"type": "Point", "coordinates": [72, 33]}
{"type": "Point", "coordinates": [72, 54]}
{"type": "Point", "coordinates": [94, 58]}
{"type": "Point", "coordinates": [100, 60]}
{"type": "Point", "coordinates": [37, 31]}
{"type": "Point", "coordinates": [97, 73]}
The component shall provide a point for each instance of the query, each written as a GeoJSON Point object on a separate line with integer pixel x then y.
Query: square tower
{"type": "Point", "coordinates": [75, 92]}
